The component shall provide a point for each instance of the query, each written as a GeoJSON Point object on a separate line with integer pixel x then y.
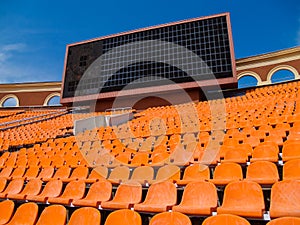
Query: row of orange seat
{"type": "Point", "coordinates": [49, 124]}
{"type": "Point", "coordinates": [27, 213]}
{"type": "Point", "coordinates": [262, 172]}
{"type": "Point", "coordinates": [199, 198]}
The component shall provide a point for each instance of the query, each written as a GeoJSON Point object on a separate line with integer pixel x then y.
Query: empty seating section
{"type": "Point", "coordinates": [226, 161]}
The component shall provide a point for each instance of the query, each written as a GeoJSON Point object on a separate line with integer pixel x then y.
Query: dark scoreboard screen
{"type": "Point", "coordinates": [179, 52]}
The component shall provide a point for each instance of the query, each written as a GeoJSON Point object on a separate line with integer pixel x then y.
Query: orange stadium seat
{"type": "Point", "coordinates": [52, 188]}
{"type": "Point", "coordinates": [262, 172]}
{"type": "Point", "coordinates": [53, 215]}
{"type": "Point", "coordinates": [6, 171]}
{"type": "Point", "coordinates": [199, 198]}
{"type": "Point", "coordinates": [3, 182]}
{"type": "Point", "coordinates": [291, 170]}
{"type": "Point", "coordinates": [285, 221]}
{"type": "Point", "coordinates": [285, 199]}
{"type": "Point", "coordinates": [291, 150]}
{"type": "Point", "coordinates": [85, 216]}
{"type": "Point", "coordinates": [14, 187]}
{"type": "Point", "coordinates": [143, 174]}
{"type": "Point", "coordinates": [226, 173]}
{"type": "Point", "coordinates": [167, 172]}
{"type": "Point", "coordinates": [161, 196]}
{"type": "Point", "coordinates": [265, 152]}
{"type": "Point", "coordinates": [31, 173]}
{"type": "Point", "coordinates": [170, 218]}
{"type": "Point", "coordinates": [243, 198]}
{"type": "Point", "coordinates": [74, 190]}
{"type": "Point", "coordinates": [225, 219]}
{"type": "Point", "coordinates": [60, 174]}
{"type": "Point", "coordinates": [6, 211]}
{"type": "Point", "coordinates": [237, 155]}
{"type": "Point", "coordinates": [33, 187]}
{"type": "Point", "coordinates": [46, 173]}
{"type": "Point", "coordinates": [126, 196]}
{"type": "Point", "coordinates": [17, 172]}
{"type": "Point", "coordinates": [123, 217]}
{"type": "Point", "coordinates": [119, 174]}
{"type": "Point", "coordinates": [98, 173]}
{"type": "Point", "coordinates": [79, 173]}
{"type": "Point", "coordinates": [99, 192]}
{"type": "Point", "coordinates": [26, 214]}
{"type": "Point", "coordinates": [195, 172]}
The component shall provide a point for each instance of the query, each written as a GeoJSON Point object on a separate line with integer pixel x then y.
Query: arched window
{"type": "Point", "coordinates": [55, 100]}
{"type": "Point", "coordinates": [52, 100]}
{"type": "Point", "coordinates": [247, 81]}
{"type": "Point", "coordinates": [282, 75]}
{"type": "Point", "coordinates": [10, 102]}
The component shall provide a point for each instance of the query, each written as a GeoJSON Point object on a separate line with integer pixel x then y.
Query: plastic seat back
{"type": "Point", "coordinates": [85, 216]}
{"type": "Point", "coordinates": [244, 198]}
{"type": "Point", "coordinates": [262, 172]}
{"type": "Point", "coordinates": [180, 156]}
{"type": "Point", "coordinates": [143, 174]}
{"type": "Point", "coordinates": [119, 173]}
{"type": "Point", "coordinates": [170, 218]}
{"type": "Point", "coordinates": [291, 150]}
{"type": "Point", "coordinates": [33, 187]}
{"type": "Point", "coordinates": [80, 172]}
{"type": "Point", "coordinates": [46, 173]}
{"type": "Point", "coordinates": [265, 152]}
{"type": "Point", "coordinates": [62, 173]}
{"type": "Point", "coordinates": [6, 211]}
{"type": "Point", "coordinates": [195, 172]}
{"type": "Point", "coordinates": [99, 191]}
{"type": "Point", "coordinates": [53, 215]}
{"type": "Point", "coordinates": [168, 172]}
{"type": "Point", "coordinates": [160, 196]}
{"type": "Point", "coordinates": [285, 199]}
{"type": "Point", "coordinates": [14, 187]}
{"type": "Point", "coordinates": [3, 183]}
{"type": "Point", "coordinates": [227, 172]}
{"type": "Point", "coordinates": [32, 172]}
{"type": "Point", "coordinates": [140, 159]}
{"type": "Point", "coordinates": [74, 190]}
{"type": "Point", "coordinates": [198, 198]}
{"type": "Point", "coordinates": [127, 193]}
{"type": "Point", "coordinates": [291, 170]}
{"type": "Point", "coordinates": [236, 155]}
{"type": "Point", "coordinates": [285, 221]}
{"type": "Point", "coordinates": [52, 189]}
{"type": "Point", "coordinates": [18, 172]}
{"type": "Point", "coordinates": [225, 219]}
{"type": "Point", "coordinates": [123, 217]}
{"type": "Point", "coordinates": [6, 171]}
{"type": "Point", "coordinates": [99, 172]}
{"type": "Point", "coordinates": [26, 214]}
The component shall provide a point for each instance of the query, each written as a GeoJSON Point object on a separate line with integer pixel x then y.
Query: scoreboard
{"type": "Point", "coordinates": [186, 51]}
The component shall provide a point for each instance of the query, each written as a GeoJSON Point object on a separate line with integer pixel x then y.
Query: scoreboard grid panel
{"type": "Point", "coordinates": [208, 38]}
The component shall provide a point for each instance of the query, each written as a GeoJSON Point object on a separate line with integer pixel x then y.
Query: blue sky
{"type": "Point", "coordinates": [34, 34]}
